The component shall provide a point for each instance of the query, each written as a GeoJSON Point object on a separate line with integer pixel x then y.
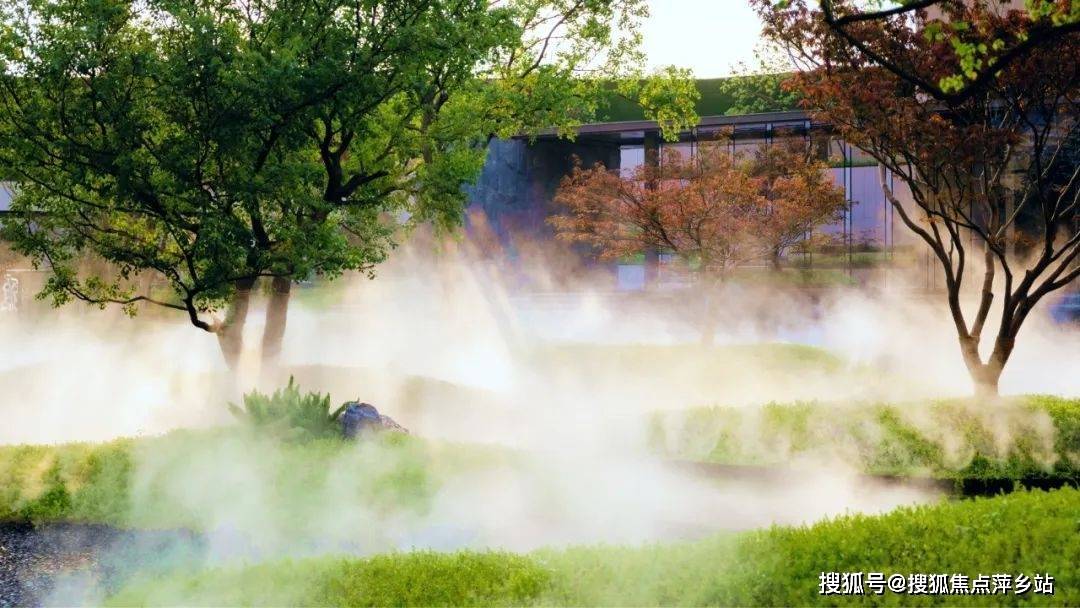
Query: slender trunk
{"type": "Point", "coordinates": [775, 258]}
{"type": "Point", "coordinates": [709, 319]}
{"type": "Point", "coordinates": [277, 312]}
{"type": "Point", "coordinates": [231, 332]}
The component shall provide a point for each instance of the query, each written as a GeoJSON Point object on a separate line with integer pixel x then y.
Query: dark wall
{"type": "Point", "coordinates": [516, 187]}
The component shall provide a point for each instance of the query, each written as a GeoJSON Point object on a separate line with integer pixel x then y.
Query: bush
{"type": "Point", "coordinates": [1024, 532]}
{"type": "Point", "coordinates": [73, 482]}
{"type": "Point", "coordinates": [1029, 437]}
{"type": "Point", "coordinates": [193, 479]}
{"type": "Point", "coordinates": [288, 414]}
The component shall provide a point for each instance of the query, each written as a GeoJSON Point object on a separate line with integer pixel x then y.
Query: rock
{"type": "Point", "coordinates": [360, 416]}
{"type": "Point", "coordinates": [389, 424]}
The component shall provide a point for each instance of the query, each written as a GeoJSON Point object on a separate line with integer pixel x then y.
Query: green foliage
{"type": "Point", "coordinates": [1029, 437]}
{"type": "Point", "coordinates": [735, 95]}
{"type": "Point", "coordinates": [289, 414]}
{"type": "Point", "coordinates": [761, 86]}
{"type": "Point", "coordinates": [756, 93]}
{"type": "Point", "coordinates": [195, 479]}
{"type": "Point", "coordinates": [205, 146]}
{"type": "Point", "coordinates": [1025, 532]}
{"type": "Point", "coordinates": [75, 482]}
{"type": "Point", "coordinates": [669, 98]}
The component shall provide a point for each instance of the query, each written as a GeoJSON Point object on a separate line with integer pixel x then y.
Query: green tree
{"type": "Point", "coordinates": [217, 142]}
{"type": "Point", "coordinates": [759, 87]}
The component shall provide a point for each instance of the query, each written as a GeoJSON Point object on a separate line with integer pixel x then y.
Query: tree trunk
{"type": "Point", "coordinates": [231, 332]}
{"type": "Point", "coordinates": [709, 319]}
{"type": "Point", "coordinates": [277, 312]}
{"type": "Point", "coordinates": [775, 258]}
{"type": "Point", "coordinates": [984, 376]}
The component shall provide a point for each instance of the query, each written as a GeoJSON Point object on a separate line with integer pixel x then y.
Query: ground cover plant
{"type": "Point", "coordinates": [209, 478]}
{"type": "Point", "coordinates": [288, 440]}
{"type": "Point", "coordinates": [1032, 436]}
{"type": "Point", "coordinates": [145, 482]}
{"type": "Point", "coordinates": [1026, 532]}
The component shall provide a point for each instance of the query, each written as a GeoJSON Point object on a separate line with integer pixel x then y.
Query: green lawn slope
{"type": "Point", "coordinates": [1021, 533]}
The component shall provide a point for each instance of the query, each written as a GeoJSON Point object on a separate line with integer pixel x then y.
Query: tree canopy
{"type": "Point", "coordinates": [993, 176]}
{"type": "Point", "coordinates": [979, 48]}
{"type": "Point", "coordinates": [211, 143]}
{"type": "Point", "coordinates": [715, 209]}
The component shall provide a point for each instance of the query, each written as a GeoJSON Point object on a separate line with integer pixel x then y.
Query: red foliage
{"type": "Point", "coordinates": [994, 174]}
{"type": "Point", "coordinates": [713, 209]}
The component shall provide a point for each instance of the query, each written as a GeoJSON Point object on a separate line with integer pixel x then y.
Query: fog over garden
{"type": "Point", "coordinates": [476, 302]}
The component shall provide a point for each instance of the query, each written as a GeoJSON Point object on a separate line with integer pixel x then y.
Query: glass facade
{"type": "Point", "coordinates": [868, 221]}
{"type": "Point", "coordinates": [519, 181]}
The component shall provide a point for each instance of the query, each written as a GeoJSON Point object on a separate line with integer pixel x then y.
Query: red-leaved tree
{"type": "Point", "coordinates": [799, 194]}
{"type": "Point", "coordinates": [714, 210]}
{"type": "Point", "coordinates": [993, 177]}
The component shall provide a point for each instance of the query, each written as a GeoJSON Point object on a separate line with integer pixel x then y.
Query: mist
{"type": "Point", "coordinates": [451, 345]}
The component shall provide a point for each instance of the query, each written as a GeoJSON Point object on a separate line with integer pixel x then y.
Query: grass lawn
{"type": "Point", "coordinates": [101, 483]}
{"type": "Point", "coordinates": [1029, 436]}
{"type": "Point", "coordinates": [186, 478]}
{"type": "Point", "coordinates": [795, 277]}
{"type": "Point", "coordinates": [633, 358]}
{"type": "Point", "coordinates": [1021, 533]}
{"type": "Point", "coordinates": [230, 479]}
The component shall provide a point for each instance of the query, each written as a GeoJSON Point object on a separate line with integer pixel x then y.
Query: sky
{"type": "Point", "coordinates": [708, 36]}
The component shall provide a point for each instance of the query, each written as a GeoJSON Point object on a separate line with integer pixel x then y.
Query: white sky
{"type": "Point", "coordinates": [708, 36]}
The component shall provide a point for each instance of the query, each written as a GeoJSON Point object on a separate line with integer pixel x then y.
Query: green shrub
{"type": "Point", "coordinates": [288, 414]}
{"type": "Point", "coordinates": [187, 478]}
{"type": "Point", "coordinates": [72, 482]}
{"type": "Point", "coordinates": [1035, 436]}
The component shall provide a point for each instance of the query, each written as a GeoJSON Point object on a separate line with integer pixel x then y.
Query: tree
{"type": "Point", "coordinates": [760, 86]}
{"type": "Point", "coordinates": [977, 54]}
{"type": "Point", "coordinates": [219, 142]}
{"type": "Point", "coordinates": [993, 177]}
{"type": "Point", "coordinates": [167, 137]}
{"type": "Point", "coordinates": [694, 206]}
{"type": "Point", "coordinates": [798, 191]}
{"type": "Point", "coordinates": [714, 210]}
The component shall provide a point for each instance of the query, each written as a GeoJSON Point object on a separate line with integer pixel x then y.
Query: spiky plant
{"type": "Point", "coordinates": [288, 413]}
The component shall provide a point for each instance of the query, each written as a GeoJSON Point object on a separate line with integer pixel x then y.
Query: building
{"type": "Point", "coordinates": [6, 195]}
{"type": "Point", "coordinates": [517, 185]}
